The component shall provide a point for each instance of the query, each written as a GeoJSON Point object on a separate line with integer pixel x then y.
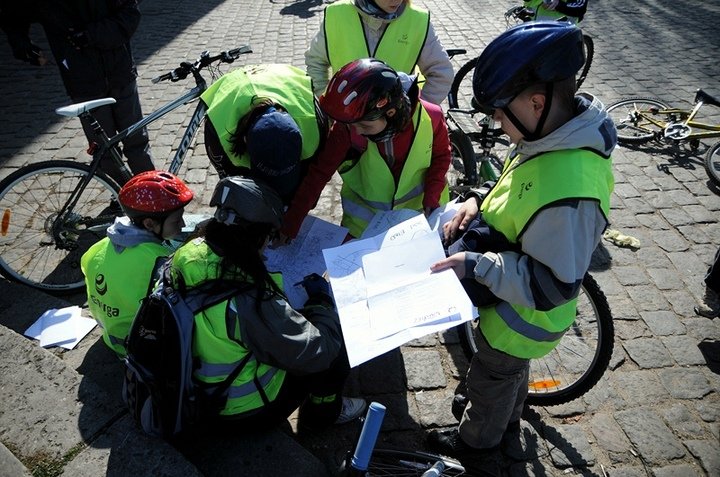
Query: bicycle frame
{"type": "Point", "coordinates": [709, 130]}
{"type": "Point", "coordinates": [109, 145]}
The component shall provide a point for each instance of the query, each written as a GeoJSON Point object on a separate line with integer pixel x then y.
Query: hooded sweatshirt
{"type": "Point", "coordinates": [558, 243]}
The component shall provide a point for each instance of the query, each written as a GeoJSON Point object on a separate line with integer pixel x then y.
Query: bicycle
{"type": "Point", "coordinates": [53, 211]}
{"type": "Point", "coordinates": [584, 352]}
{"type": "Point", "coordinates": [460, 96]}
{"type": "Point", "coordinates": [367, 461]}
{"type": "Point", "coordinates": [640, 120]}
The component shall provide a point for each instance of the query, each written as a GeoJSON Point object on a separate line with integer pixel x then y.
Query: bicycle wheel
{"type": "Point", "coordinates": [712, 164]}
{"type": "Point", "coordinates": [461, 94]}
{"type": "Point", "coordinates": [386, 462]}
{"type": "Point", "coordinates": [638, 120]}
{"type": "Point", "coordinates": [577, 362]}
{"type": "Point", "coordinates": [463, 170]}
{"type": "Point", "coordinates": [34, 248]}
{"type": "Point", "coordinates": [589, 47]}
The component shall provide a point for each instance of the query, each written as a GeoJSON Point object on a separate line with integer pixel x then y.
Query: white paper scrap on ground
{"type": "Point", "coordinates": [304, 256]}
{"type": "Point", "coordinates": [385, 293]}
{"type": "Point", "coordinates": [61, 327]}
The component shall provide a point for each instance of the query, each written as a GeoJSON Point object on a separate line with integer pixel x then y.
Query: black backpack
{"type": "Point", "coordinates": [159, 389]}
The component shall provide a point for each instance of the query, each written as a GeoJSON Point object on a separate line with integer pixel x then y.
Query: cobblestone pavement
{"type": "Point", "coordinates": [657, 410]}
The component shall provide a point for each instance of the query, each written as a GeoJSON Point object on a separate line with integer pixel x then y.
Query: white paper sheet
{"type": "Point", "coordinates": [385, 293]}
{"type": "Point", "coordinates": [63, 327]}
{"type": "Point", "coordinates": [303, 255]}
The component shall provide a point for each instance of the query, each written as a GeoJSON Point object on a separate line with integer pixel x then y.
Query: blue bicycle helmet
{"type": "Point", "coordinates": [526, 54]}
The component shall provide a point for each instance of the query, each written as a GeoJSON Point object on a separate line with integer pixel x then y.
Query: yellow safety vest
{"type": "Point", "coordinates": [115, 284]}
{"type": "Point", "coordinates": [231, 97]}
{"type": "Point", "coordinates": [520, 193]}
{"type": "Point", "coordinates": [542, 13]}
{"type": "Point", "coordinates": [399, 46]}
{"type": "Point", "coordinates": [217, 344]}
{"type": "Point", "coordinates": [369, 187]}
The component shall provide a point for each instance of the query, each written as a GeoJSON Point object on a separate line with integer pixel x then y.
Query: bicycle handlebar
{"type": "Point", "coordinates": [203, 61]}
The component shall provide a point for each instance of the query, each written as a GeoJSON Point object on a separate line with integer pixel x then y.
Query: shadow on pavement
{"type": "Point", "coordinates": [32, 93]}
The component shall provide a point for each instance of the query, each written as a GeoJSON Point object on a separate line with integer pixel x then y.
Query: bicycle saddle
{"type": "Point", "coordinates": [77, 109]}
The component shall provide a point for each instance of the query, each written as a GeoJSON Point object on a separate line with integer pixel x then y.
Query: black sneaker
{"type": "Point", "coordinates": [459, 403]}
{"type": "Point", "coordinates": [477, 462]}
{"type": "Point", "coordinates": [448, 443]}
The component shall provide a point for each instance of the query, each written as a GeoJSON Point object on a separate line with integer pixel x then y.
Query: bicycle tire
{"type": "Point", "coordinates": [462, 155]}
{"type": "Point", "coordinates": [461, 94]}
{"type": "Point", "coordinates": [30, 198]}
{"type": "Point", "coordinates": [589, 55]}
{"type": "Point", "coordinates": [633, 128]}
{"type": "Point", "coordinates": [387, 462]}
{"type": "Point", "coordinates": [712, 164]}
{"type": "Point", "coordinates": [580, 359]}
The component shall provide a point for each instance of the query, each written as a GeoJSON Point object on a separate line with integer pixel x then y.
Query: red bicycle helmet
{"type": "Point", "coordinates": [153, 194]}
{"type": "Point", "coordinates": [362, 90]}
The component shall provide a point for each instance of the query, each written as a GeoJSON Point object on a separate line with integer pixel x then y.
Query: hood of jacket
{"type": "Point", "coordinates": [590, 128]}
{"type": "Point", "coordinates": [123, 234]}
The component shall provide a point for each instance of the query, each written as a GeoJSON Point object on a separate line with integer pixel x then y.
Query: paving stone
{"type": "Point", "coordinates": [625, 471]}
{"type": "Point", "coordinates": [685, 383]}
{"type": "Point", "coordinates": [683, 423]}
{"type": "Point", "coordinates": [651, 437]}
{"type": "Point", "coordinates": [665, 279]}
{"type": "Point", "coordinates": [569, 446]}
{"type": "Point", "coordinates": [424, 369]}
{"type": "Point", "coordinates": [434, 408]}
{"type": "Point", "coordinates": [647, 298]}
{"type": "Point", "coordinates": [639, 386]}
{"type": "Point", "coordinates": [648, 353]}
{"type": "Point", "coordinates": [608, 434]}
{"type": "Point", "coordinates": [684, 350]}
{"type": "Point", "coordinates": [662, 323]}
{"type": "Point", "coordinates": [631, 275]}
{"type": "Point", "coordinates": [708, 452]}
{"type": "Point", "coordinates": [603, 396]}
{"type": "Point", "coordinates": [679, 470]}
{"type": "Point", "coordinates": [671, 241]}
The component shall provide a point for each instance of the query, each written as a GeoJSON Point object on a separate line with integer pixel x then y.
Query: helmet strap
{"type": "Point", "coordinates": [532, 136]}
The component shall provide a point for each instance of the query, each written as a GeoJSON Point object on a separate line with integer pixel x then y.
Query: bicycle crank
{"type": "Point", "coordinates": [677, 131]}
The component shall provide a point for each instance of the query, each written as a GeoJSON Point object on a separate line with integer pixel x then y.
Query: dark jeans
{"type": "Point", "coordinates": [496, 389]}
{"type": "Point", "coordinates": [117, 117]}
{"type": "Point", "coordinates": [712, 278]}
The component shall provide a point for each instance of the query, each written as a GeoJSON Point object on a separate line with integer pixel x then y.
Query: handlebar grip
{"type": "Point", "coordinates": [236, 52]}
{"type": "Point", "coordinates": [160, 78]}
{"type": "Point", "coordinates": [368, 436]}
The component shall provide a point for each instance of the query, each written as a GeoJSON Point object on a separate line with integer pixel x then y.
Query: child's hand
{"type": "Point", "coordinates": [465, 214]}
{"type": "Point", "coordinates": [456, 262]}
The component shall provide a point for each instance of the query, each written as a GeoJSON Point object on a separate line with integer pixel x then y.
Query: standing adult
{"type": "Point", "coordinates": [394, 31]}
{"type": "Point", "coordinates": [90, 41]}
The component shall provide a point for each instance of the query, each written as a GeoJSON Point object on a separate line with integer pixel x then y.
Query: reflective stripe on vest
{"type": "Point", "coordinates": [116, 283]}
{"type": "Point", "coordinates": [399, 46]}
{"type": "Point", "coordinates": [523, 190]}
{"type": "Point", "coordinates": [230, 98]}
{"type": "Point", "coordinates": [217, 350]}
{"type": "Point", "coordinates": [369, 187]}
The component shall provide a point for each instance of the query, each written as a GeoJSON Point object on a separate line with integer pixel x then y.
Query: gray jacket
{"type": "Point", "coordinates": [558, 243]}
